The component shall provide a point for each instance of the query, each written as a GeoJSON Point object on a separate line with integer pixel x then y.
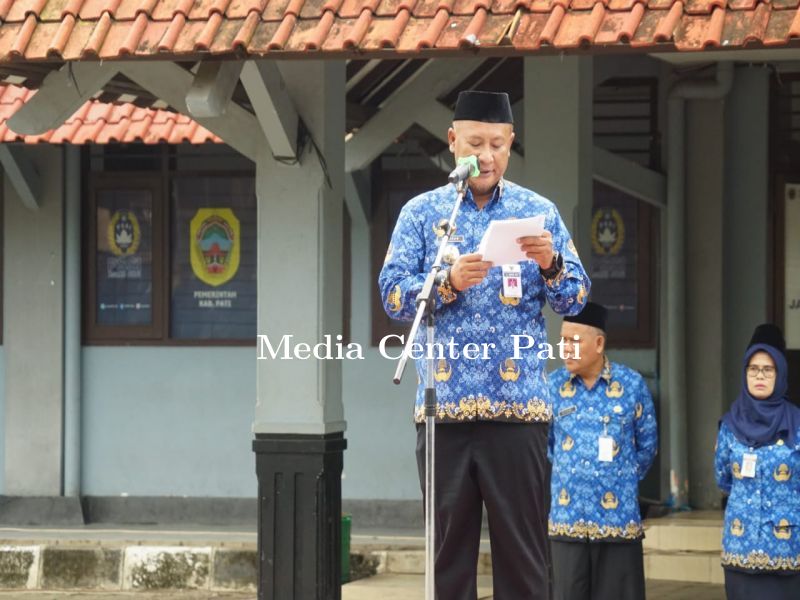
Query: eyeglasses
{"type": "Point", "coordinates": [755, 370]}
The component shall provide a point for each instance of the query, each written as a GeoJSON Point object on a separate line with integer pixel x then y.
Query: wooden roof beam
{"type": "Point", "coordinates": [22, 174]}
{"type": "Point", "coordinates": [62, 93]}
{"type": "Point", "coordinates": [213, 87]}
{"type": "Point", "coordinates": [170, 82]}
{"type": "Point", "coordinates": [403, 108]}
{"type": "Point", "coordinates": [273, 106]}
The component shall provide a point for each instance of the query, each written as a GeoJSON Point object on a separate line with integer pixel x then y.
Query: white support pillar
{"type": "Point", "coordinates": [558, 144]}
{"type": "Point", "coordinates": [33, 333]}
{"type": "Point", "coordinates": [300, 261]}
{"type": "Point", "coordinates": [299, 419]}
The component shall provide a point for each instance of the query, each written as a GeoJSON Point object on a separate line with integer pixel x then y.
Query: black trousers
{"type": "Point", "coordinates": [761, 586]}
{"type": "Point", "coordinates": [598, 571]}
{"type": "Point", "coordinates": [503, 466]}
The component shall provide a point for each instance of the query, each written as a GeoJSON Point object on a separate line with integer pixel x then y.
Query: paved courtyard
{"type": "Point", "coordinates": [411, 587]}
{"type": "Point", "coordinates": [382, 587]}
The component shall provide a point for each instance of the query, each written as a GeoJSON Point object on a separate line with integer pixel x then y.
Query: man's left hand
{"type": "Point", "coordinates": [539, 248]}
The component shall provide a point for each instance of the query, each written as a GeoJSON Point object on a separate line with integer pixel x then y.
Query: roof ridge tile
{"type": "Point", "coordinates": [206, 37]}
{"type": "Point", "coordinates": [391, 37]}
{"type": "Point", "coordinates": [359, 29]}
{"type": "Point", "coordinates": [281, 37]}
{"type": "Point", "coordinates": [98, 36]}
{"type": "Point", "coordinates": [471, 36]}
{"type": "Point", "coordinates": [72, 7]}
{"type": "Point", "coordinates": [63, 33]}
{"type": "Point", "coordinates": [434, 30]}
{"type": "Point", "coordinates": [23, 38]}
{"type": "Point", "coordinates": [666, 28]}
{"type": "Point", "coordinates": [131, 41]}
{"type": "Point", "coordinates": [170, 38]}
{"type": "Point", "coordinates": [247, 31]}
{"type": "Point", "coordinates": [794, 28]}
{"type": "Point", "coordinates": [552, 25]}
{"type": "Point", "coordinates": [324, 25]}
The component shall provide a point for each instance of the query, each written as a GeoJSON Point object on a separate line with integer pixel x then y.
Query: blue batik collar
{"type": "Point", "coordinates": [605, 374]}
{"type": "Point", "coordinates": [497, 195]}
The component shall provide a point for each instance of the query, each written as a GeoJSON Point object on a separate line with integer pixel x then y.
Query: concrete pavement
{"type": "Point", "coordinates": [411, 587]}
{"type": "Point", "coordinates": [380, 587]}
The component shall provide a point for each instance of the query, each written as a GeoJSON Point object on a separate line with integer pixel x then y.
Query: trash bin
{"type": "Point", "coordinates": [346, 523]}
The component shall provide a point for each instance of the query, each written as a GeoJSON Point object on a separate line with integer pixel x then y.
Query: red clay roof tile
{"type": "Point", "coordinates": [109, 29]}
{"type": "Point", "coordinates": [102, 123]}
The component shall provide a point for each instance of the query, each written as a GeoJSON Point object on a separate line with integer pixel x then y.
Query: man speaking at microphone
{"type": "Point", "coordinates": [493, 412]}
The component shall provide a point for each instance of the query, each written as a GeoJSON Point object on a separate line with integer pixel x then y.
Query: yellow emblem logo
{"type": "Point", "coordinates": [440, 226]}
{"type": "Point", "coordinates": [608, 232]}
{"type": "Point", "coordinates": [509, 371]}
{"type": "Point", "coordinates": [443, 371]}
{"type": "Point", "coordinates": [782, 473]}
{"type": "Point", "coordinates": [508, 301]}
{"type": "Point", "coordinates": [567, 444]}
{"type": "Point", "coordinates": [563, 498]}
{"type": "Point", "coordinates": [609, 501]}
{"type": "Point", "coordinates": [779, 442]}
{"type": "Point", "coordinates": [395, 301]}
{"type": "Point", "coordinates": [736, 470]}
{"type": "Point", "coordinates": [783, 530]}
{"type": "Point", "coordinates": [737, 528]}
{"type": "Point", "coordinates": [124, 234]}
{"type": "Point", "coordinates": [614, 448]}
{"type": "Point", "coordinates": [567, 389]}
{"type": "Point", "coordinates": [639, 410]}
{"type": "Point", "coordinates": [215, 245]}
{"type": "Point", "coordinates": [615, 390]}
{"type": "Point", "coordinates": [581, 294]}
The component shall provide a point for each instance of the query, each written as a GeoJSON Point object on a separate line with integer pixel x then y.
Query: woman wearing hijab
{"type": "Point", "coordinates": [757, 463]}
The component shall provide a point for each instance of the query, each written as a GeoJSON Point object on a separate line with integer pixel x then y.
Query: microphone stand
{"type": "Point", "coordinates": [425, 307]}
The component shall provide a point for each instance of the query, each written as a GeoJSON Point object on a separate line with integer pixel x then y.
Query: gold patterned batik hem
{"type": "Point", "coordinates": [761, 561]}
{"type": "Point", "coordinates": [582, 530]}
{"type": "Point", "coordinates": [481, 408]}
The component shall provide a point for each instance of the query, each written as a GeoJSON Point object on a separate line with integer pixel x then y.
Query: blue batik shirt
{"type": "Point", "coordinates": [498, 387]}
{"type": "Point", "coordinates": [762, 519]}
{"type": "Point", "coordinates": [594, 500]}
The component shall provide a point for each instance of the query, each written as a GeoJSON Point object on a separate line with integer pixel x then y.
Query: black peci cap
{"type": "Point", "coordinates": [769, 334]}
{"type": "Point", "coordinates": [592, 314]}
{"type": "Point", "coordinates": [487, 107]}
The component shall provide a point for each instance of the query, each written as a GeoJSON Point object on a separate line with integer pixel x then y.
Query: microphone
{"type": "Point", "coordinates": [467, 167]}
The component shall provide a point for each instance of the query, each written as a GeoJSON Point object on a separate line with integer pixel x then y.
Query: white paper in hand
{"type": "Point", "coordinates": [499, 244]}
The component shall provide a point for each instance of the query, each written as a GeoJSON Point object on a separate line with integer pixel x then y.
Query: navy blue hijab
{"type": "Point", "coordinates": [761, 422]}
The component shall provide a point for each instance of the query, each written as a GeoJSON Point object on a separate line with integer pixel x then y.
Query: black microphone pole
{"type": "Point", "coordinates": [425, 307]}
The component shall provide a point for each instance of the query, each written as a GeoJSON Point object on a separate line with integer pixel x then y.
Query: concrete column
{"type": "Point", "coordinates": [705, 148]}
{"type": "Point", "coordinates": [558, 144]}
{"type": "Point", "coordinates": [33, 337]}
{"type": "Point", "coordinates": [299, 419]}
{"type": "Point", "coordinates": [300, 260]}
{"type": "Point", "coordinates": [745, 219]}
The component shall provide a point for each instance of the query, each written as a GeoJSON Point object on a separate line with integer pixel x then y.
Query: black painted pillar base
{"type": "Point", "coordinates": [299, 516]}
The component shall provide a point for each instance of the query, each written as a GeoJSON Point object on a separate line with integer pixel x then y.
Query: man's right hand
{"type": "Point", "coordinates": [468, 270]}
